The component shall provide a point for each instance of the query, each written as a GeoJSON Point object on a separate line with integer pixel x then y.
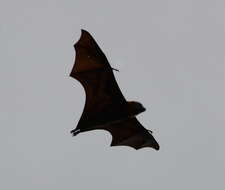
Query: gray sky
{"type": "Point", "coordinates": [171, 57]}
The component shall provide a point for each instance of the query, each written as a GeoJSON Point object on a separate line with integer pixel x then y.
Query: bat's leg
{"type": "Point", "coordinates": [75, 132]}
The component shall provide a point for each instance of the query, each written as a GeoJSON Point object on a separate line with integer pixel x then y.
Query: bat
{"type": "Point", "coordinates": [105, 107]}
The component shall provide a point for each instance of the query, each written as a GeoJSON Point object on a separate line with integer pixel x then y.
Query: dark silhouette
{"type": "Point", "coordinates": [105, 107]}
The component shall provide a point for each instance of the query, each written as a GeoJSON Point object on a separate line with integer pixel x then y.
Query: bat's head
{"type": "Point", "coordinates": [135, 107]}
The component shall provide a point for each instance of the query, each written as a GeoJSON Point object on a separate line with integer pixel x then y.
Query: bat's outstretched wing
{"type": "Point", "coordinates": [105, 106]}
{"type": "Point", "coordinates": [104, 100]}
{"type": "Point", "coordinates": [131, 133]}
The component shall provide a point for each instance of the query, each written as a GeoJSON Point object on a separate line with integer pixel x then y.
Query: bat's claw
{"type": "Point", "coordinates": [150, 131]}
{"type": "Point", "coordinates": [115, 69]}
{"type": "Point", "coordinates": [75, 132]}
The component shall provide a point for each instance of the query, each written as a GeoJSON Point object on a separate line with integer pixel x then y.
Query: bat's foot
{"type": "Point", "coordinates": [75, 132]}
{"type": "Point", "coordinates": [150, 131]}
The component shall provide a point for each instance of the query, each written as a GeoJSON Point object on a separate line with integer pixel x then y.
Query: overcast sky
{"type": "Point", "coordinates": [171, 57]}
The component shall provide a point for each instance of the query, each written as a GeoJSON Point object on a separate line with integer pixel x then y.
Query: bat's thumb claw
{"type": "Point", "coordinates": [115, 69]}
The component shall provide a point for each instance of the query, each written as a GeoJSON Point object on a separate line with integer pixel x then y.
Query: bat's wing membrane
{"type": "Point", "coordinates": [89, 56]}
{"type": "Point", "coordinates": [103, 96]}
{"type": "Point", "coordinates": [131, 133]}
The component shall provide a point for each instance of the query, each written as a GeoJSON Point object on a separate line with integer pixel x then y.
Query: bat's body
{"type": "Point", "coordinates": [105, 106]}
